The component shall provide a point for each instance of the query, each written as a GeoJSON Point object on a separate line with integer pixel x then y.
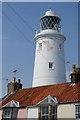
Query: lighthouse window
{"type": "Point", "coordinates": [40, 46]}
{"type": "Point", "coordinates": [51, 65]}
{"type": "Point", "coordinates": [60, 46]}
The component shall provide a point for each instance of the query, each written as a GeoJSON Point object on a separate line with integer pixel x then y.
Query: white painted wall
{"type": "Point", "coordinates": [0, 114]}
{"type": "Point", "coordinates": [63, 111]}
{"type": "Point", "coordinates": [66, 111]}
{"type": "Point", "coordinates": [22, 113]}
{"type": "Point", "coordinates": [50, 52]}
{"type": "Point", "coordinates": [32, 112]}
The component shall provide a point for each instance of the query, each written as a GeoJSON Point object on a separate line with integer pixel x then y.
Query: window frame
{"type": "Point", "coordinates": [45, 116]}
{"type": "Point", "coordinates": [55, 112]}
{"type": "Point", "coordinates": [51, 65]}
{"type": "Point", "coordinates": [7, 113]}
{"type": "Point", "coordinates": [77, 112]}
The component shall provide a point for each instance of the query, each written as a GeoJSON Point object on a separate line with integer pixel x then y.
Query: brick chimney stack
{"type": "Point", "coordinates": [75, 75]}
{"type": "Point", "coordinates": [14, 85]}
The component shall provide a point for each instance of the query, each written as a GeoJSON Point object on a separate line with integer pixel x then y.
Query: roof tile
{"type": "Point", "coordinates": [31, 96]}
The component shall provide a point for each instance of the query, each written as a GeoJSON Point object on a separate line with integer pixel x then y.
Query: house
{"type": "Point", "coordinates": [51, 101]}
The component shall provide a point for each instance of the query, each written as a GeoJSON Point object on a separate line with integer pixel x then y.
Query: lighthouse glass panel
{"type": "Point", "coordinates": [50, 22]}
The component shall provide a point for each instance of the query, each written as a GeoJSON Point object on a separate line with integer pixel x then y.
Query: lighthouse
{"type": "Point", "coordinates": [49, 65]}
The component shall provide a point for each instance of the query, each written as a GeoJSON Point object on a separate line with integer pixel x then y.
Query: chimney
{"type": "Point", "coordinates": [14, 85]}
{"type": "Point", "coordinates": [14, 79]}
{"type": "Point", "coordinates": [75, 75]}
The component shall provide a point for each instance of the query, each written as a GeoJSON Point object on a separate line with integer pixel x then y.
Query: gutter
{"type": "Point", "coordinates": [69, 102]}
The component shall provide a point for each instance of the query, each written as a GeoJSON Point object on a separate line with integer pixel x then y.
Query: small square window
{"type": "Point", "coordinates": [51, 65]}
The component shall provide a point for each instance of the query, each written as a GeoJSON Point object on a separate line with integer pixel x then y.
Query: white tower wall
{"type": "Point", "coordinates": [49, 66]}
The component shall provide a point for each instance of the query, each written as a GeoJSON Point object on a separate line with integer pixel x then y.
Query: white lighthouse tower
{"type": "Point", "coordinates": [49, 66]}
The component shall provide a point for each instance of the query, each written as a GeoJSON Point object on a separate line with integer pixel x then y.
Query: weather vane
{"type": "Point", "coordinates": [14, 72]}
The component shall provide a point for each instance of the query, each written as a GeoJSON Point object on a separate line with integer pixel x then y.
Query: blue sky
{"type": "Point", "coordinates": [0, 49]}
{"type": "Point", "coordinates": [18, 44]}
{"type": "Point", "coordinates": [79, 34]}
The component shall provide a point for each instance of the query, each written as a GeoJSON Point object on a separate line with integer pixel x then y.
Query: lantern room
{"type": "Point", "coordinates": [50, 21]}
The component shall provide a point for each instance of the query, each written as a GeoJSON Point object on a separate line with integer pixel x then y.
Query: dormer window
{"type": "Point", "coordinates": [44, 113]}
{"type": "Point", "coordinates": [48, 108]}
{"type": "Point", "coordinates": [47, 112]}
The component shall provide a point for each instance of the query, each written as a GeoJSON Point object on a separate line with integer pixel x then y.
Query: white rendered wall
{"type": "Point", "coordinates": [0, 114]}
{"type": "Point", "coordinates": [50, 52]}
{"type": "Point", "coordinates": [32, 112]}
{"type": "Point", "coordinates": [66, 111]}
{"type": "Point", "coordinates": [22, 113]}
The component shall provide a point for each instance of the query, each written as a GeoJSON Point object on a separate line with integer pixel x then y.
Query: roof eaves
{"type": "Point", "coordinates": [5, 97]}
{"type": "Point", "coordinates": [66, 102]}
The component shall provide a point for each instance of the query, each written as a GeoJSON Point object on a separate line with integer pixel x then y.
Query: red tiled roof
{"type": "Point", "coordinates": [31, 96]}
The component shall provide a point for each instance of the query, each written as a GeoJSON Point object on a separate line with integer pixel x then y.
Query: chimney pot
{"type": "Point", "coordinates": [19, 81]}
{"type": "Point", "coordinates": [73, 68]}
